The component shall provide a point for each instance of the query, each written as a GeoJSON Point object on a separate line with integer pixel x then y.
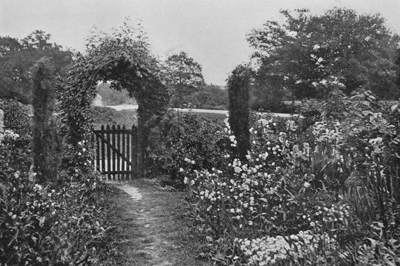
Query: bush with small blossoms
{"type": "Point", "coordinates": [48, 225]}
{"type": "Point", "coordinates": [252, 197]}
{"type": "Point", "coordinates": [327, 181]}
{"type": "Point", "coordinates": [15, 152]}
{"type": "Point", "coordinates": [305, 246]}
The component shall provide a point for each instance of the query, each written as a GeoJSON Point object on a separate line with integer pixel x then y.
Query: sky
{"type": "Point", "coordinates": [212, 32]}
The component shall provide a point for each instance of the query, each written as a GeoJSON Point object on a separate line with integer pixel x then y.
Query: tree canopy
{"type": "Point", "coordinates": [210, 97]}
{"type": "Point", "coordinates": [184, 76]}
{"type": "Point", "coordinates": [309, 55]}
{"type": "Point", "coordinates": [19, 56]}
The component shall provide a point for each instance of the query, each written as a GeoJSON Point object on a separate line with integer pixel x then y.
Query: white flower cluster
{"type": "Point", "coordinates": [189, 161]}
{"type": "Point", "coordinates": [37, 187]}
{"type": "Point", "coordinates": [328, 133]}
{"type": "Point", "coordinates": [298, 153]}
{"type": "Point", "coordinates": [9, 134]}
{"type": "Point", "coordinates": [328, 217]}
{"type": "Point", "coordinates": [269, 250]}
{"type": "Point", "coordinates": [291, 125]}
{"type": "Point", "coordinates": [264, 251]}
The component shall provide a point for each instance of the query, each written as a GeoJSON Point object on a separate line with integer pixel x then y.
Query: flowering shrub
{"type": "Point", "coordinates": [52, 225]}
{"type": "Point", "coordinates": [302, 247]}
{"type": "Point", "coordinates": [15, 152]}
{"type": "Point", "coordinates": [251, 196]}
{"type": "Point", "coordinates": [330, 181]}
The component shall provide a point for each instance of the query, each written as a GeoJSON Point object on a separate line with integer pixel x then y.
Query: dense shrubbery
{"type": "Point", "coordinates": [16, 116]}
{"type": "Point", "coordinates": [57, 224]}
{"type": "Point", "coordinates": [181, 136]}
{"type": "Point", "coordinates": [318, 191]}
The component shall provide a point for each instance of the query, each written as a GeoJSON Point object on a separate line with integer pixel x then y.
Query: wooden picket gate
{"type": "Point", "coordinates": [116, 152]}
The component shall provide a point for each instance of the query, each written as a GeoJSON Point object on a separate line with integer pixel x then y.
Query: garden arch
{"type": "Point", "coordinates": [125, 63]}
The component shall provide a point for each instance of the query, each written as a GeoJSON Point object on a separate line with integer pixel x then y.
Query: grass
{"type": "Point", "coordinates": [153, 230]}
{"type": "Point", "coordinates": [109, 116]}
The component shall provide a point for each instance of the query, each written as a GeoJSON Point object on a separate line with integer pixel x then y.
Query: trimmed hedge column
{"type": "Point", "coordinates": [239, 109]}
{"type": "Point", "coordinates": [45, 140]}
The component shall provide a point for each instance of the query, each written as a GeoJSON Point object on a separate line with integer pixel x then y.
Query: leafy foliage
{"type": "Point", "coordinates": [209, 97]}
{"type": "Point", "coordinates": [124, 59]}
{"type": "Point", "coordinates": [62, 223]}
{"type": "Point", "coordinates": [46, 146]}
{"type": "Point", "coordinates": [45, 225]}
{"type": "Point", "coordinates": [184, 77]}
{"type": "Point", "coordinates": [322, 194]}
{"type": "Point", "coordinates": [18, 56]}
{"type": "Point", "coordinates": [305, 55]}
{"type": "Point", "coordinates": [16, 116]}
{"type": "Point", "coordinates": [181, 136]}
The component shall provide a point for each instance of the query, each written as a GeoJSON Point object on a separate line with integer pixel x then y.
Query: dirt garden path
{"type": "Point", "coordinates": [153, 226]}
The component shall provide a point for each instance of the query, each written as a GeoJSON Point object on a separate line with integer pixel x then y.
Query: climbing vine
{"type": "Point", "coordinates": [123, 59]}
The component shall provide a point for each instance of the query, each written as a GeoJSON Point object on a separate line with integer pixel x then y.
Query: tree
{"type": "Point", "coordinates": [18, 56]}
{"type": "Point", "coordinates": [308, 55]}
{"type": "Point", "coordinates": [46, 143]}
{"type": "Point", "coordinates": [184, 76]}
{"type": "Point", "coordinates": [210, 97]}
{"type": "Point", "coordinates": [239, 108]}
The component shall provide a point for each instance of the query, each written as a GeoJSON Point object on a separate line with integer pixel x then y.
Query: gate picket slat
{"type": "Point", "coordinates": [124, 177]}
{"type": "Point", "coordinates": [103, 153]}
{"type": "Point", "coordinates": [108, 152]}
{"type": "Point", "coordinates": [97, 147]}
{"type": "Point", "coordinates": [134, 158]}
{"type": "Point", "coordinates": [128, 154]}
{"type": "Point", "coordinates": [114, 166]}
{"type": "Point", "coordinates": [119, 148]}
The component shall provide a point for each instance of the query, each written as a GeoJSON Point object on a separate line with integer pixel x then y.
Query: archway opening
{"type": "Point", "coordinates": [125, 62]}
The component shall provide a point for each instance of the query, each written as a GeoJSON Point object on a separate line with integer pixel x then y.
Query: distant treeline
{"type": "Point", "coordinates": [113, 97]}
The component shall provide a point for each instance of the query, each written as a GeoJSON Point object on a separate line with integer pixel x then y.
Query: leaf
{"type": "Point", "coordinates": [367, 112]}
{"type": "Point", "coordinates": [265, 200]}
{"type": "Point", "coordinates": [219, 257]}
{"type": "Point", "coordinates": [394, 107]}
